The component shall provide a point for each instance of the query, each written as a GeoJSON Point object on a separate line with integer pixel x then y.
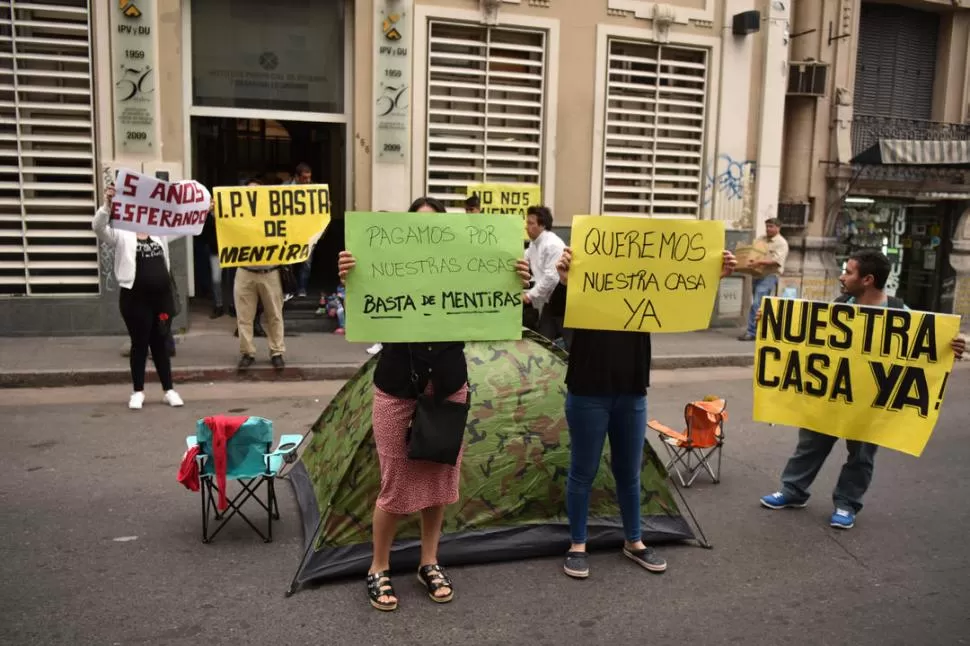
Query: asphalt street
{"type": "Point", "coordinates": [100, 545]}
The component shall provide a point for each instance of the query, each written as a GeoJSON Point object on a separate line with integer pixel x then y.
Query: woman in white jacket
{"type": "Point", "coordinates": [147, 302]}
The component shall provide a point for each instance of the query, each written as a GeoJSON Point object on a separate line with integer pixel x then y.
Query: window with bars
{"type": "Point", "coordinates": [653, 148]}
{"type": "Point", "coordinates": [47, 174]}
{"type": "Point", "coordinates": [485, 108]}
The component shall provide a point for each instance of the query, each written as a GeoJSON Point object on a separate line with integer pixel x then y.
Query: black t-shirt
{"type": "Point", "coordinates": [605, 363]}
{"type": "Point", "coordinates": [151, 272]}
{"type": "Point", "coordinates": [404, 369]}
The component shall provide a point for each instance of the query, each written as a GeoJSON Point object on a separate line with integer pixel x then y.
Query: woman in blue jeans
{"type": "Point", "coordinates": [606, 380]}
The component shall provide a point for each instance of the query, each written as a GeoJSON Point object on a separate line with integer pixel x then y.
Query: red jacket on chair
{"type": "Point", "coordinates": [223, 427]}
{"type": "Point", "coordinates": [189, 469]}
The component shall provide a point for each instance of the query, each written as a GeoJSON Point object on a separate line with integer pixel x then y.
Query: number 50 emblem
{"type": "Point", "coordinates": [135, 82]}
{"type": "Point", "coordinates": [392, 99]}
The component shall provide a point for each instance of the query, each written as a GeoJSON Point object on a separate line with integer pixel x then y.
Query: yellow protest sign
{"type": "Point", "coordinates": [507, 199]}
{"type": "Point", "coordinates": [861, 373]}
{"type": "Point", "coordinates": [643, 274]}
{"type": "Point", "coordinates": [269, 225]}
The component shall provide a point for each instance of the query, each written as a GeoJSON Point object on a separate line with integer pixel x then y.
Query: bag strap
{"type": "Point", "coordinates": [413, 377]}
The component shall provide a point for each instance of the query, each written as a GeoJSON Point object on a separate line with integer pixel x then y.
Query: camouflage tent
{"type": "Point", "coordinates": [513, 482]}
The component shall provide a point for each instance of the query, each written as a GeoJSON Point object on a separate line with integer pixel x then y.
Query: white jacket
{"type": "Point", "coordinates": [543, 254]}
{"type": "Point", "coordinates": [125, 244]}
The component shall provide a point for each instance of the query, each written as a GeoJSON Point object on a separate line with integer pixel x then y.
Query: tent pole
{"type": "Point", "coordinates": [306, 554]}
{"type": "Point", "coordinates": [703, 539]}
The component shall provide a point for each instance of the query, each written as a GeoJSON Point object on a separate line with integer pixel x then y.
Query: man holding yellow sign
{"type": "Point", "coordinates": [852, 369]}
{"type": "Point", "coordinates": [260, 230]}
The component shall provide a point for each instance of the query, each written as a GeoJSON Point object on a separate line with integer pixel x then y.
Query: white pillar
{"type": "Point", "coordinates": [770, 130]}
{"type": "Point", "coordinates": [734, 104]}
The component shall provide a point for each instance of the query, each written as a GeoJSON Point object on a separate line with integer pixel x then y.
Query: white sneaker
{"type": "Point", "coordinates": [374, 349]}
{"type": "Point", "coordinates": [136, 400]}
{"type": "Point", "coordinates": [172, 399]}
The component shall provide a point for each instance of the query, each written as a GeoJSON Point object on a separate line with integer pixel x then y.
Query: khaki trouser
{"type": "Point", "coordinates": [250, 289]}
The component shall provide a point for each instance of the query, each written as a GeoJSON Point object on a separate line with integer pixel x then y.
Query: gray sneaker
{"type": "Point", "coordinates": [646, 558]}
{"type": "Point", "coordinates": [576, 565]}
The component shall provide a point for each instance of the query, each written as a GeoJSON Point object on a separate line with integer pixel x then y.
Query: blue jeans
{"type": "Point", "coordinates": [303, 274]}
{"type": "Point", "coordinates": [591, 419]}
{"type": "Point", "coordinates": [762, 287]}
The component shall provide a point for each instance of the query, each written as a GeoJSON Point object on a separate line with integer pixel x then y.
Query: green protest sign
{"type": "Point", "coordinates": [423, 277]}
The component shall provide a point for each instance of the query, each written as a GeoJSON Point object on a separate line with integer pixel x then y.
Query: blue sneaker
{"type": "Point", "coordinates": [842, 519]}
{"type": "Point", "coordinates": [778, 500]}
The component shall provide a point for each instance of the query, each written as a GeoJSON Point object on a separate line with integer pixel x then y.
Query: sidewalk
{"type": "Point", "coordinates": [209, 352]}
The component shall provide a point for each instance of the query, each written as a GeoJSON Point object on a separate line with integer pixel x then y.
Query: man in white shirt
{"type": "Point", "coordinates": [543, 253]}
{"type": "Point", "coordinates": [772, 266]}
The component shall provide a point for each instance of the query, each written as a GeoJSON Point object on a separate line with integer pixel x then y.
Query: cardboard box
{"type": "Point", "coordinates": [747, 254]}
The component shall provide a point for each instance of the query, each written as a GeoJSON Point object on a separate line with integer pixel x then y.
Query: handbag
{"type": "Point", "coordinates": [437, 427]}
{"type": "Point", "coordinates": [174, 294]}
{"type": "Point", "coordinates": [287, 279]}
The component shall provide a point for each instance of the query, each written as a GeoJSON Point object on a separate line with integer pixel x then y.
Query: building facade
{"type": "Point", "coordinates": [671, 110]}
{"type": "Point", "coordinates": [879, 101]}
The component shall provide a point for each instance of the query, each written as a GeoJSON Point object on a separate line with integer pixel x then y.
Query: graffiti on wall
{"type": "Point", "coordinates": [729, 177]}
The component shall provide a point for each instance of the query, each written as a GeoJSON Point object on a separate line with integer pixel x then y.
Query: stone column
{"type": "Point", "coordinates": [960, 261]}
{"type": "Point", "coordinates": [811, 268]}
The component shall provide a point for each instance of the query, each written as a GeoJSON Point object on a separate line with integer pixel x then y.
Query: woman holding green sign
{"type": "Point", "coordinates": [405, 374]}
{"type": "Point", "coordinates": [606, 396]}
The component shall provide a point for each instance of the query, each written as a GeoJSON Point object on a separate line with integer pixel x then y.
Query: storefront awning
{"type": "Point", "coordinates": [916, 152]}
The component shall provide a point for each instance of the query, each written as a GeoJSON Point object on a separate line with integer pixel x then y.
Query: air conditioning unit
{"type": "Point", "coordinates": [807, 78]}
{"type": "Point", "coordinates": [793, 216]}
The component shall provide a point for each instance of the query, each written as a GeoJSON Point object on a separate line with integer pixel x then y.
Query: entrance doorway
{"type": "Point", "coordinates": [232, 151]}
{"type": "Point", "coordinates": [926, 256]}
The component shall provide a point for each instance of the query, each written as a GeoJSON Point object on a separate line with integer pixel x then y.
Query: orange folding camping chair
{"type": "Point", "coordinates": [692, 451]}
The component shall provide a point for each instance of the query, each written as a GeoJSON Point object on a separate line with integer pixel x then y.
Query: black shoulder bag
{"type": "Point", "coordinates": [437, 427]}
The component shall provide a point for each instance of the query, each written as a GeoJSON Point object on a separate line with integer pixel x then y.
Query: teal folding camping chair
{"type": "Point", "coordinates": [251, 463]}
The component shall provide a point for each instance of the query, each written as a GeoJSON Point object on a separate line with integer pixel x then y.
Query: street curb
{"type": "Point", "coordinates": [684, 361]}
{"type": "Point", "coordinates": [320, 372]}
{"type": "Point", "coordinates": [110, 376]}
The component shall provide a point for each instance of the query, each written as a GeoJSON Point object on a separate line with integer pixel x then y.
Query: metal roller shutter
{"type": "Point", "coordinates": [896, 61]}
{"type": "Point", "coordinates": [653, 149]}
{"type": "Point", "coordinates": [47, 188]}
{"type": "Point", "coordinates": [485, 108]}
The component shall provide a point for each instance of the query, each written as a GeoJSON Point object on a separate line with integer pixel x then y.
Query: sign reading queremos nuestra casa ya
{"type": "Point", "coordinates": [133, 55]}
{"type": "Point", "coordinates": [392, 82]}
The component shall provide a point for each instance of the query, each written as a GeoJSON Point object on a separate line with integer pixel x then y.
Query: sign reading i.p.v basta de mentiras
{"type": "Point", "coordinates": [424, 277]}
{"type": "Point", "coordinates": [270, 225]}
{"type": "Point", "coordinates": [643, 274]}
{"type": "Point", "coordinates": [863, 373]}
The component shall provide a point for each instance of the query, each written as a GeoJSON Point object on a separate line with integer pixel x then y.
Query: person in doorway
{"type": "Point", "coordinates": [863, 283]}
{"type": "Point", "coordinates": [208, 236]}
{"type": "Point", "coordinates": [473, 205]}
{"type": "Point", "coordinates": [303, 175]}
{"type": "Point", "coordinates": [255, 286]}
{"type": "Point", "coordinates": [607, 377]}
{"type": "Point", "coordinates": [545, 249]}
{"type": "Point", "coordinates": [772, 267]}
{"type": "Point", "coordinates": [412, 486]}
{"type": "Point", "coordinates": [146, 301]}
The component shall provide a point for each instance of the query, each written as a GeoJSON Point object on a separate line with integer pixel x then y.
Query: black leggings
{"type": "Point", "coordinates": [140, 312]}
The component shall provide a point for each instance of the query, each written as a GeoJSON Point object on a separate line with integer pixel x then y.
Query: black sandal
{"type": "Point", "coordinates": [379, 585]}
{"type": "Point", "coordinates": [433, 578]}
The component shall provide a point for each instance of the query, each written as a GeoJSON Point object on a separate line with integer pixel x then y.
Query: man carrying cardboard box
{"type": "Point", "coordinates": [765, 262]}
